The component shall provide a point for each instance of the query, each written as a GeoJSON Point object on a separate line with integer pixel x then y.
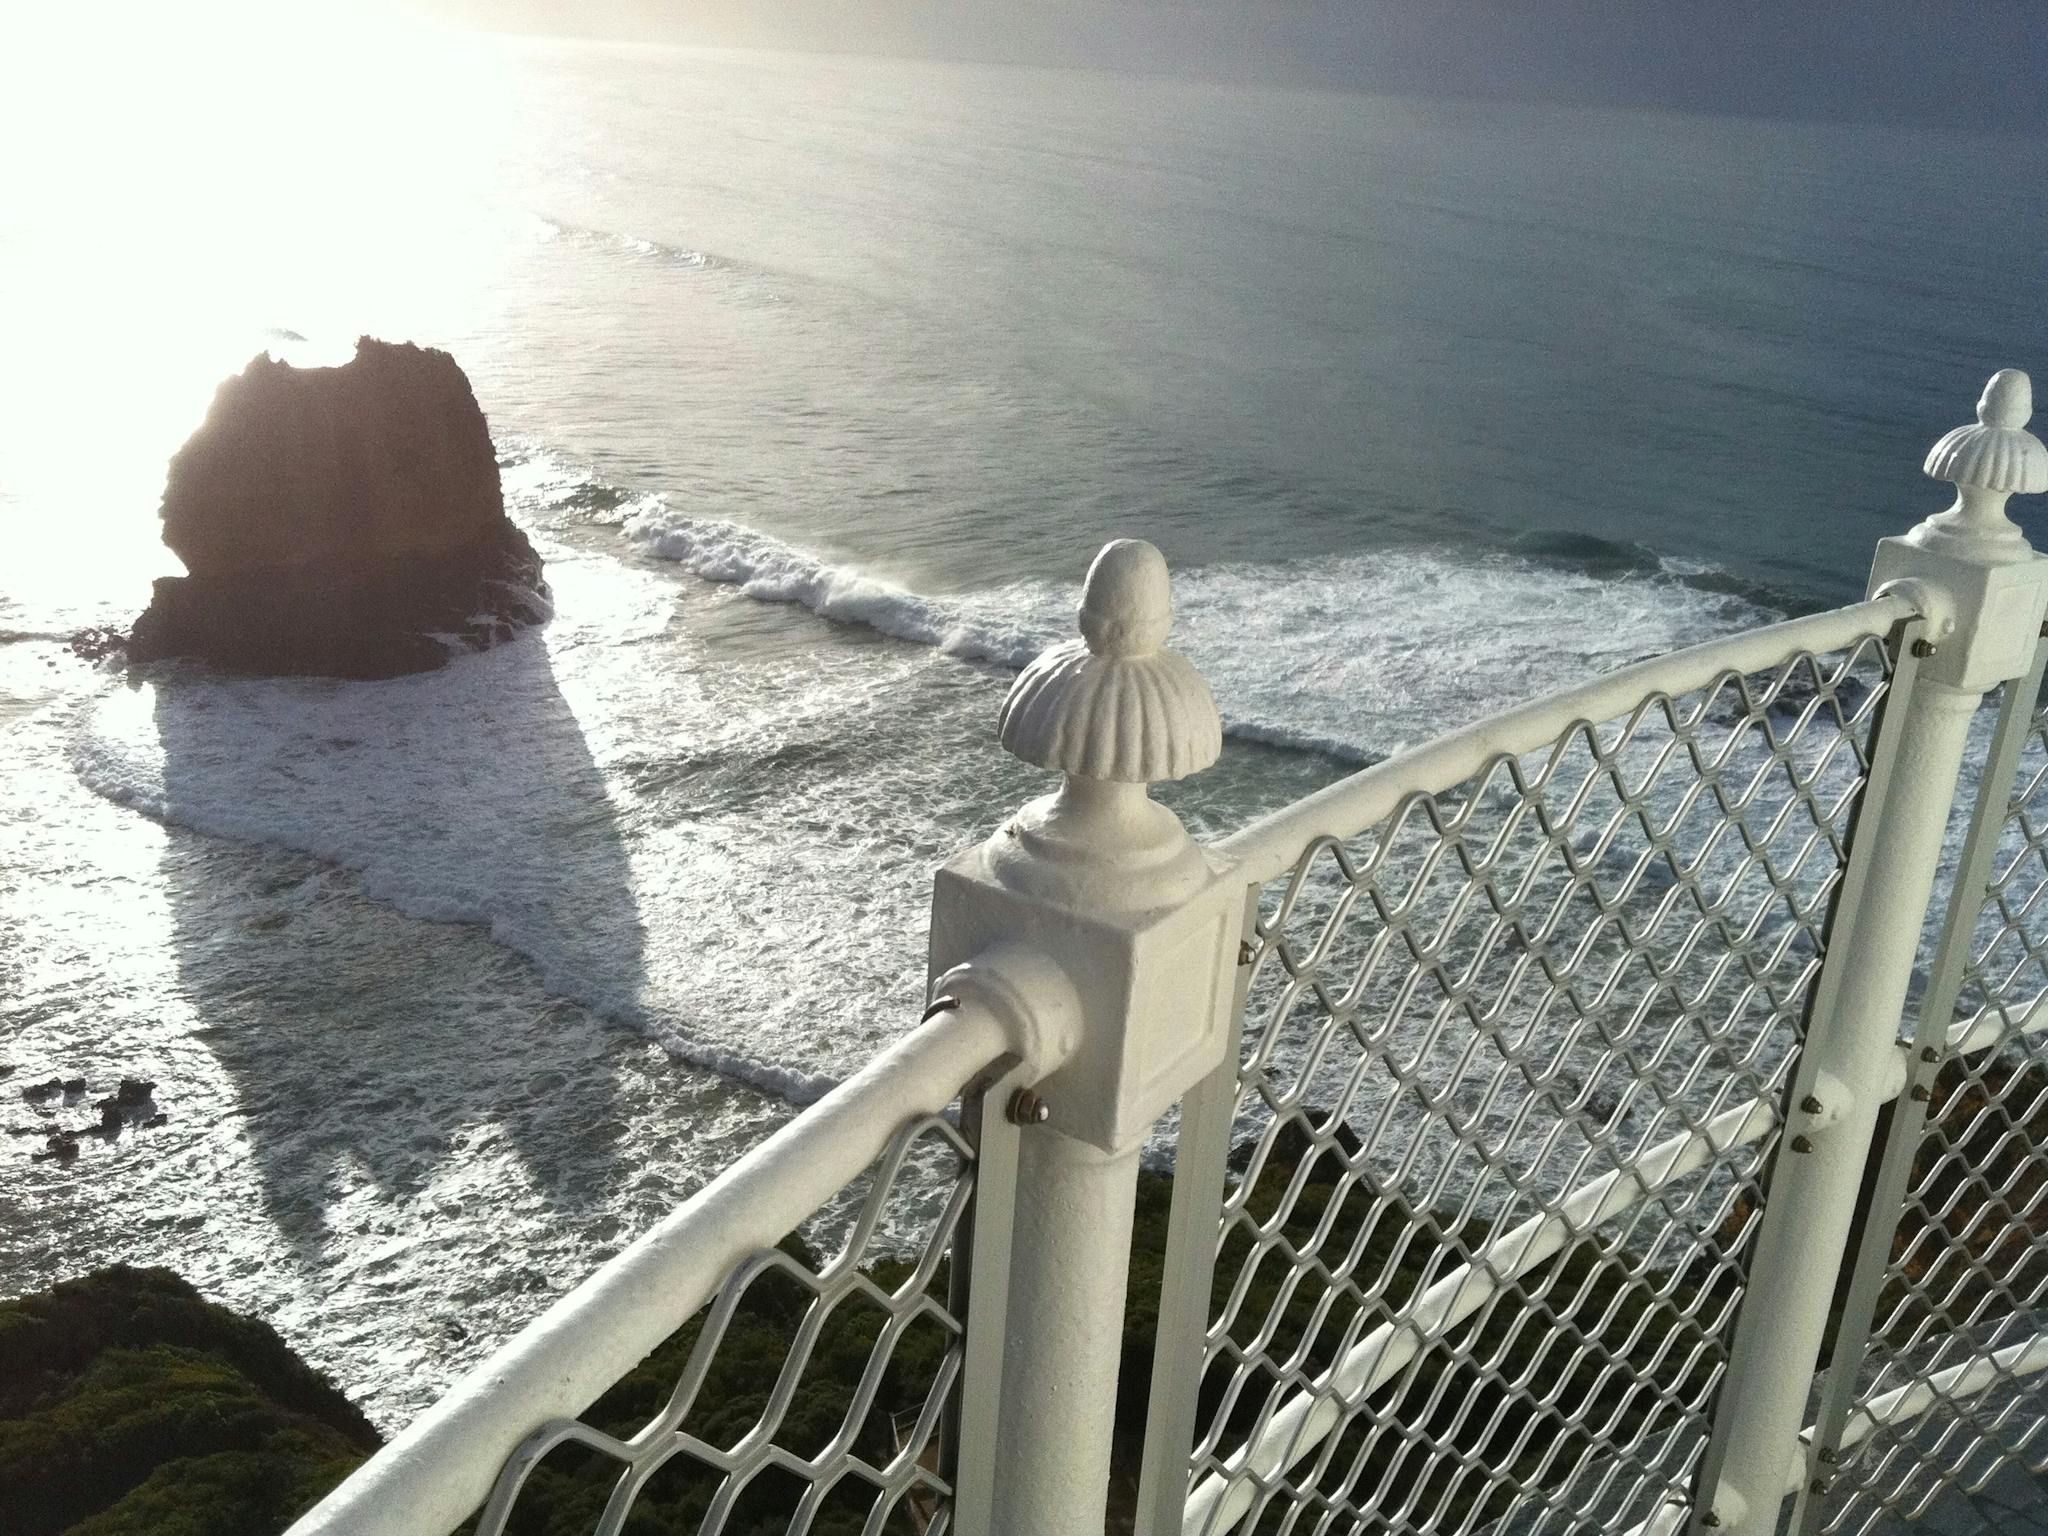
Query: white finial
{"type": "Point", "coordinates": [1987, 463]}
{"type": "Point", "coordinates": [1116, 705]}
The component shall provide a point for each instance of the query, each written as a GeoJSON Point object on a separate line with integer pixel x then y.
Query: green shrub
{"type": "Point", "coordinates": [129, 1404]}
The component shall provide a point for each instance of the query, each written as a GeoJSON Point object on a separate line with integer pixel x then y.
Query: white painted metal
{"type": "Point", "coordinates": [1116, 704]}
{"type": "Point", "coordinates": [1826, 1439]}
{"type": "Point", "coordinates": [981, 1291]}
{"type": "Point", "coordinates": [667, 1440]}
{"type": "Point", "coordinates": [1906, 1403]}
{"type": "Point", "coordinates": [439, 1470]}
{"type": "Point", "coordinates": [1499, 992]}
{"type": "Point", "coordinates": [1900, 1406]}
{"type": "Point", "coordinates": [1222, 1499]}
{"type": "Point", "coordinates": [1201, 1155]}
{"type": "Point", "coordinates": [1953, 1269]}
{"type": "Point", "coordinates": [1995, 588]}
{"type": "Point", "coordinates": [1270, 846]}
{"type": "Point", "coordinates": [1108, 882]}
{"type": "Point", "coordinates": [1967, 1036]}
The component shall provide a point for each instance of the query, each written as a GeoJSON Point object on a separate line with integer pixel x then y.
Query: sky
{"type": "Point", "coordinates": [1966, 64]}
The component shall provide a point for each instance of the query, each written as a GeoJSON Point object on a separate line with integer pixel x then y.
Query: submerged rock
{"type": "Point", "coordinates": [342, 522]}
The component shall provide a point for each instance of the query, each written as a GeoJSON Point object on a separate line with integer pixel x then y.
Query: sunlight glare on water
{"type": "Point", "coordinates": [208, 186]}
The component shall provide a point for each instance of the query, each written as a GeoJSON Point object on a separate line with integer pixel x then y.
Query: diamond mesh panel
{"type": "Point", "coordinates": [2008, 975]}
{"type": "Point", "coordinates": [807, 1396]}
{"type": "Point", "coordinates": [1965, 1293]}
{"type": "Point", "coordinates": [1511, 1064]}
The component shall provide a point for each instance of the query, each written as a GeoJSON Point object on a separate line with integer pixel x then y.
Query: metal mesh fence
{"type": "Point", "coordinates": [1949, 1408]}
{"type": "Point", "coordinates": [808, 1396]}
{"type": "Point", "coordinates": [1511, 1072]}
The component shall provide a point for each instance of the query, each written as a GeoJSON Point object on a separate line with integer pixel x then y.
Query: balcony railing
{"type": "Point", "coordinates": [1560, 1141]}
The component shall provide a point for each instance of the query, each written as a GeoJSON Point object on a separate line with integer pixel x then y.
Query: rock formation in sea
{"type": "Point", "coordinates": [343, 522]}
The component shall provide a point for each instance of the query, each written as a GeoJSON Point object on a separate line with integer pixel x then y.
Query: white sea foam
{"type": "Point", "coordinates": [1350, 656]}
{"type": "Point", "coordinates": [554, 230]}
{"type": "Point", "coordinates": [468, 795]}
{"type": "Point", "coordinates": [405, 810]}
{"type": "Point", "coordinates": [774, 572]}
{"type": "Point", "coordinates": [556, 491]}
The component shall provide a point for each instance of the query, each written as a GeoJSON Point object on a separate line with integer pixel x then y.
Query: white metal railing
{"type": "Point", "coordinates": [483, 1439]}
{"type": "Point", "coordinates": [1558, 1145]}
{"type": "Point", "coordinates": [1271, 845]}
{"type": "Point", "coordinates": [1548, 974]}
{"type": "Point", "coordinates": [1948, 1302]}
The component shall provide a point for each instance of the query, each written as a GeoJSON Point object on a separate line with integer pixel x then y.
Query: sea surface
{"type": "Point", "coordinates": [818, 381]}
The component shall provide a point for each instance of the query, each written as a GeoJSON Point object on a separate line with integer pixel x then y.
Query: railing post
{"type": "Point", "coordinates": [1929, 1053]}
{"type": "Point", "coordinates": [1983, 590]}
{"type": "Point", "coordinates": [1107, 885]}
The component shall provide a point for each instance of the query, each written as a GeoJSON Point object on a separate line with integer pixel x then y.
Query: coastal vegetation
{"type": "Point", "coordinates": [131, 1406]}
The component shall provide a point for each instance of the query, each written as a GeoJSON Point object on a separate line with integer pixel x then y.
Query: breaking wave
{"type": "Point", "coordinates": [554, 230]}
{"type": "Point", "coordinates": [1351, 656]}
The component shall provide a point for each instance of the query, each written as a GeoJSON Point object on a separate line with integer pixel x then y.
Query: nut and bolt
{"type": "Point", "coordinates": [1923, 649]}
{"type": "Point", "coordinates": [1919, 1093]}
{"type": "Point", "coordinates": [1802, 1143]}
{"type": "Point", "coordinates": [1246, 952]}
{"type": "Point", "coordinates": [1027, 1108]}
{"type": "Point", "coordinates": [1929, 1054]}
{"type": "Point", "coordinates": [1812, 1104]}
{"type": "Point", "coordinates": [1710, 1521]}
{"type": "Point", "coordinates": [1827, 1455]}
{"type": "Point", "coordinates": [1818, 1485]}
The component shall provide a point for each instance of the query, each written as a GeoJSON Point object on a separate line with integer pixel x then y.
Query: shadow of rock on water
{"type": "Point", "coordinates": [405, 990]}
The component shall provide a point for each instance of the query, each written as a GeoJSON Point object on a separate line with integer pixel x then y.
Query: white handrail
{"type": "Point", "coordinates": [1270, 845]}
{"type": "Point", "coordinates": [1977, 1374]}
{"type": "Point", "coordinates": [1968, 1036]}
{"type": "Point", "coordinates": [441, 1468]}
{"type": "Point", "coordinates": [1306, 1419]}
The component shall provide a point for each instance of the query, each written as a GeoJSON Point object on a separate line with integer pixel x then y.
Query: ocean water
{"type": "Point", "coordinates": [818, 382]}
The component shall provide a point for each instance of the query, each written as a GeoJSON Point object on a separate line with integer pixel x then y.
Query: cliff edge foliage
{"type": "Point", "coordinates": [131, 1405]}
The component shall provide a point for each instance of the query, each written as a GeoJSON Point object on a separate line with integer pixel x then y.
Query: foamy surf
{"type": "Point", "coordinates": [555, 231]}
{"type": "Point", "coordinates": [465, 795]}
{"type": "Point", "coordinates": [1350, 656]}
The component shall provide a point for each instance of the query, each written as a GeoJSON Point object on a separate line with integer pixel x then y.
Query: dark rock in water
{"type": "Point", "coordinates": [134, 1090]}
{"type": "Point", "coordinates": [97, 643]}
{"type": "Point", "coordinates": [73, 1085]}
{"type": "Point", "coordinates": [48, 1089]}
{"type": "Point", "coordinates": [341, 522]}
